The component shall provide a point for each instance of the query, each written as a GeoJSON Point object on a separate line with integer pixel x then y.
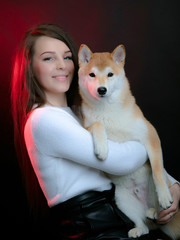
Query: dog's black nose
{"type": "Point", "coordinates": [102, 91]}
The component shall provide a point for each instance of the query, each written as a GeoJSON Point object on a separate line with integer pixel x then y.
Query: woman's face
{"type": "Point", "coordinates": [53, 67]}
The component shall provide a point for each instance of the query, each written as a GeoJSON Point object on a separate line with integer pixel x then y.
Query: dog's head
{"type": "Point", "coordinates": [101, 75]}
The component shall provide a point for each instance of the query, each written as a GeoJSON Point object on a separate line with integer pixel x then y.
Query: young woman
{"type": "Point", "coordinates": [60, 150]}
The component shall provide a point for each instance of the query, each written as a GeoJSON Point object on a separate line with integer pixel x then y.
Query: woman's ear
{"type": "Point", "coordinates": [84, 54]}
{"type": "Point", "coordinates": [119, 54]}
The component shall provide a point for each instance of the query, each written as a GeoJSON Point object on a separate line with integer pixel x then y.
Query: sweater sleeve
{"type": "Point", "coordinates": [172, 180]}
{"type": "Point", "coordinates": [61, 136]}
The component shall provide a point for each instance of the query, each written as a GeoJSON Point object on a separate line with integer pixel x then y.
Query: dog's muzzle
{"type": "Point", "coordinates": [102, 91]}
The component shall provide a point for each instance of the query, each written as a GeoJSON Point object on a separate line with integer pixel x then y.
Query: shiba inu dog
{"type": "Point", "coordinates": [110, 112]}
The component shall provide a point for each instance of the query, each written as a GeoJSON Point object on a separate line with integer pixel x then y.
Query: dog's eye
{"type": "Point", "coordinates": [92, 75]}
{"type": "Point", "coordinates": [110, 74]}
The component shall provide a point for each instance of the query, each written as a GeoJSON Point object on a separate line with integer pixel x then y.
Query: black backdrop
{"type": "Point", "coordinates": [150, 32]}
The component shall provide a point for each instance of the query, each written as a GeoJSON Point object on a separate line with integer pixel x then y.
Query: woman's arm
{"type": "Point", "coordinates": [59, 135]}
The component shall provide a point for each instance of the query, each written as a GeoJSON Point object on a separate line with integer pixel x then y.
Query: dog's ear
{"type": "Point", "coordinates": [84, 54]}
{"type": "Point", "coordinates": [119, 54]}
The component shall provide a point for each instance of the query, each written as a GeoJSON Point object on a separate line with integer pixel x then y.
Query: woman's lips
{"type": "Point", "coordinates": [61, 78]}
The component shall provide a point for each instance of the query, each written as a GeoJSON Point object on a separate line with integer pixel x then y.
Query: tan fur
{"type": "Point", "coordinates": [114, 114]}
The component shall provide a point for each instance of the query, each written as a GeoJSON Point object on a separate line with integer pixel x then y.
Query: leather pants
{"type": "Point", "coordinates": [92, 216]}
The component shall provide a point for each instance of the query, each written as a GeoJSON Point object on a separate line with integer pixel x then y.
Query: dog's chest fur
{"type": "Point", "coordinates": [118, 121]}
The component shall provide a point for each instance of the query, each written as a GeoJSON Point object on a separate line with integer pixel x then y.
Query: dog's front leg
{"type": "Point", "coordinates": [99, 139]}
{"type": "Point", "coordinates": [154, 151]}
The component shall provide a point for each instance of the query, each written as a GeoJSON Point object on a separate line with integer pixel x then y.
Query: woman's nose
{"type": "Point", "coordinates": [60, 64]}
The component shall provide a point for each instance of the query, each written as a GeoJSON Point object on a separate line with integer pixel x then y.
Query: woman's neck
{"type": "Point", "coordinates": [59, 100]}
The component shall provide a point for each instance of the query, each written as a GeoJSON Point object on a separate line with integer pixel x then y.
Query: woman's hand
{"type": "Point", "coordinates": [165, 216]}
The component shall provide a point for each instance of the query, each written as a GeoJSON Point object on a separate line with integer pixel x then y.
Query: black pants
{"type": "Point", "coordinates": [92, 216]}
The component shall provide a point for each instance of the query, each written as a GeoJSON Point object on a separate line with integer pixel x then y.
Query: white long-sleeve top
{"type": "Point", "coordinates": [62, 155]}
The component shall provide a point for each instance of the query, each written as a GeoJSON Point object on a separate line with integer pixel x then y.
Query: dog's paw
{"type": "Point", "coordinates": [101, 151]}
{"type": "Point", "coordinates": [152, 214]}
{"type": "Point", "coordinates": [138, 231]}
{"type": "Point", "coordinates": [165, 198]}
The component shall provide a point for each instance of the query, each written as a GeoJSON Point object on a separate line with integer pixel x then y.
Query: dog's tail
{"type": "Point", "coordinates": [172, 229]}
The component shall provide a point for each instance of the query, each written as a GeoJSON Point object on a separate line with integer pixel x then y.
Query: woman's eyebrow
{"type": "Point", "coordinates": [48, 52]}
{"type": "Point", "coordinates": [69, 51]}
{"type": "Point", "coordinates": [52, 52]}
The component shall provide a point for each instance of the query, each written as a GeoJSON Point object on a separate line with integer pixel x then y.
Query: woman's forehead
{"type": "Point", "coordinates": [48, 44]}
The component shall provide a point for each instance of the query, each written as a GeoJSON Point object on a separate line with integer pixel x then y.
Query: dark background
{"type": "Point", "coordinates": [150, 31]}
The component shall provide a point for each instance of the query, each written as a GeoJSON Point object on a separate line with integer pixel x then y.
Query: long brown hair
{"type": "Point", "coordinates": [26, 91]}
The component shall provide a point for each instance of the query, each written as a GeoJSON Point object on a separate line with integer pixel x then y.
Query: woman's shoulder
{"type": "Point", "coordinates": [39, 115]}
{"type": "Point", "coordinates": [47, 123]}
{"type": "Point", "coordinates": [47, 113]}
{"type": "Point", "coordinates": [48, 117]}
{"type": "Point", "coordinates": [36, 118]}
{"type": "Point", "coordinates": [43, 122]}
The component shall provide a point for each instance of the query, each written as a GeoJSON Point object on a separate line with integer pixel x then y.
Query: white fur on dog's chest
{"type": "Point", "coordinates": [128, 127]}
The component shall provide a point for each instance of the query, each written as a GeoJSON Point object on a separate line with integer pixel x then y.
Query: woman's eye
{"type": "Point", "coordinates": [68, 58]}
{"type": "Point", "coordinates": [48, 59]}
{"type": "Point", "coordinates": [110, 74]}
{"type": "Point", "coordinates": [92, 75]}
